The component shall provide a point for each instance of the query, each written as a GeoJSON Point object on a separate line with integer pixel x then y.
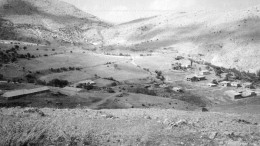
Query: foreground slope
{"type": "Point", "coordinates": [31, 126]}
{"type": "Point", "coordinates": [229, 39]}
{"type": "Point", "coordinates": [46, 21]}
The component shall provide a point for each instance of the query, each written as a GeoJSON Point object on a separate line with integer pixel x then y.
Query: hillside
{"type": "Point", "coordinates": [46, 22]}
{"type": "Point", "coordinates": [229, 39]}
{"type": "Point", "coordinates": [32, 126]}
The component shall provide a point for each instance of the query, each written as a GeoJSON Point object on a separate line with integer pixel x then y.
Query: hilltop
{"type": "Point", "coordinates": [228, 39]}
{"type": "Point", "coordinates": [46, 22]}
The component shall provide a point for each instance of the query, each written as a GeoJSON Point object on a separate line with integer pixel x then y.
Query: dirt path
{"type": "Point", "coordinates": [97, 104]}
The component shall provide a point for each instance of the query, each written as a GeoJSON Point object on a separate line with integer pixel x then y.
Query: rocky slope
{"type": "Point", "coordinates": [229, 39]}
{"type": "Point", "coordinates": [47, 21]}
{"type": "Point", "coordinates": [142, 127]}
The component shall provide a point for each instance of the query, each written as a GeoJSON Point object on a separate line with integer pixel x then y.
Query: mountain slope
{"type": "Point", "coordinates": [229, 39]}
{"type": "Point", "coordinates": [44, 21]}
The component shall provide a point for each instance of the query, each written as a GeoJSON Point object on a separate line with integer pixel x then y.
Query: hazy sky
{"type": "Point", "coordinates": [118, 11]}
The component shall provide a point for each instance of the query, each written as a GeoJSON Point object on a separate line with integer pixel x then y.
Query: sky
{"type": "Point", "coordinates": [119, 11]}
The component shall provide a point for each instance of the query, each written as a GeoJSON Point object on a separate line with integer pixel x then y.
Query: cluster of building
{"type": "Point", "coordinates": [231, 84]}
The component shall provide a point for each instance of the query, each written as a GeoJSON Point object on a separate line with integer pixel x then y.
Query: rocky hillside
{"type": "Point", "coordinates": [229, 39]}
{"type": "Point", "coordinates": [153, 127]}
{"type": "Point", "coordinates": [47, 21]}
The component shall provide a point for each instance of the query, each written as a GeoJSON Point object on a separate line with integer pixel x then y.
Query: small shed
{"type": "Point", "coordinates": [225, 84]}
{"type": "Point", "coordinates": [192, 78]}
{"type": "Point", "coordinates": [248, 93]}
{"type": "Point", "coordinates": [177, 89]}
{"type": "Point", "coordinates": [235, 84]}
{"type": "Point", "coordinates": [212, 85]}
{"type": "Point", "coordinates": [233, 94]}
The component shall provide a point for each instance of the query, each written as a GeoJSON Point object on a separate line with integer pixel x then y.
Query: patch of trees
{"type": "Point", "coordinates": [58, 83]}
{"type": "Point", "coordinates": [140, 90]}
{"type": "Point", "coordinates": [110, 78]}
{"type": "Point", "coordinates": [233, 73]}
{"type": "Point", "coordinates": [64, 69]}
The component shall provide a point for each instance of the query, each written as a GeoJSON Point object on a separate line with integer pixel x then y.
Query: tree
{"type": "Point", "coordinates": [16, 47]}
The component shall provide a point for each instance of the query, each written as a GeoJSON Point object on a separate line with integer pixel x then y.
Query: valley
{"type": "Point", "coordinates": [70, 78]}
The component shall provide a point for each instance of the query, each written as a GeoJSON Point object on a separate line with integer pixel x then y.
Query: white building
{"type": "Point", "coordinates": [19, 93]}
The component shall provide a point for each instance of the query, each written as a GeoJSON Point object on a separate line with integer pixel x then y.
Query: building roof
{"type": "Point", "coordinates": [199, 76]}
{"type": "Point", "coordinates": [176, 88]}
{"type": "Point", "coordinates": [87, 82]}
{"type": "Point", "coordinates": [211, 84]}
{"type": "Point", "coordinates": [232, 92]}
{"type": "Point", "coordinates": [225, 82]}
{"type": "Point", "coordinates": [247, 83]}
{"type": "Point", "coordinates": [16, 93]}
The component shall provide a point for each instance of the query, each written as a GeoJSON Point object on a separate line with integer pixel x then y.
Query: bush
{"type": "Point", "coordinates": [1, 76]}
{"type": "Point", "coordinates": [16, 47]}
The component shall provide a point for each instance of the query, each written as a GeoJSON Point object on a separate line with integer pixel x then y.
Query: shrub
{"type": "Point", "coordinates": [1, 76]}
{"type": "Point", "coordinates": [110, 90]}
{"type": "Point", "coordinates": [40, 82]}
{"type": "Point", "coordinates": [16, 47]}
{"type": "Point", "coordinates": [30, 78]}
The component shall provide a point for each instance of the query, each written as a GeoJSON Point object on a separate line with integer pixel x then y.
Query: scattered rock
{"type": "Point", "coordinates": [147, 117]}
{"type": "Point", "coordinates": [35, 110]}
{"type": "Point", "coordinates": [212, 135]}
